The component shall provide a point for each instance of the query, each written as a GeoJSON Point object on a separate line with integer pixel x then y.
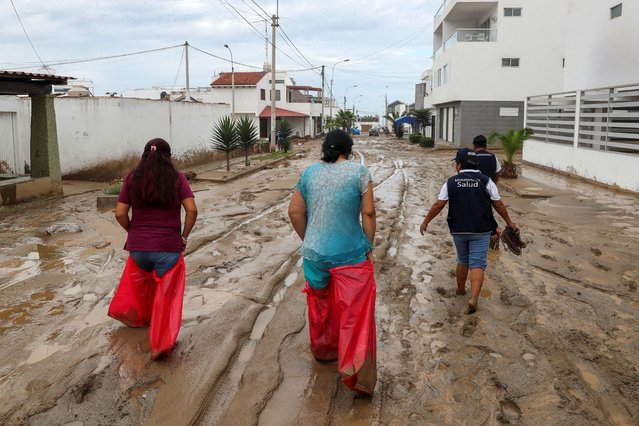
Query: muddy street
{"type": "Point", "coordinates": [555, 340]}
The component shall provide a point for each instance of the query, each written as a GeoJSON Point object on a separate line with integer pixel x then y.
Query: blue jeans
{"type": "Point", "coordinates": [472, 249]}
{"type": "Point", "coordinates": [160, 261]}
{"type": "Point", "coordinates": [317, 272]}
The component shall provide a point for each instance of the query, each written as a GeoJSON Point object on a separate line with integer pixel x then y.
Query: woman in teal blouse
{"type": "Point", "coordinates": [325, 211]}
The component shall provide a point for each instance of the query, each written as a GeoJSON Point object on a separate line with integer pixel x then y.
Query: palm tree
{"type": "Point", "coordinates": [285, 128]}
{"type": "Point", "coordinates": [345, 119]}
{"type": "Point", "coordinates": [394, 116]}
{"type": "Point", "coordinates": [423, 116]}
{"type": "Point", "coordinates": [247, 133]}
{"type": "Point", "coordinates": [224, 138]}
{"type": "Point", "coordinates": [511, 142]}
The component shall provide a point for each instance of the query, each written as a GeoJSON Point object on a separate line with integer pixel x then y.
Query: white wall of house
{"type": "Point", "coordinates": [92, 131]}
{"type": "Point", "coordinates": [601, 51]}
{"type": "Point", "coordinates": [606, 167]}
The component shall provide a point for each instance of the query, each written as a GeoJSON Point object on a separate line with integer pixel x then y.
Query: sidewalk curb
{"type": "Point", "coordinates": [234, 176]}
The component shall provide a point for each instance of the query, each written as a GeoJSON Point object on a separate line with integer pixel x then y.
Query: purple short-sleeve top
{"type": "Point", "coordinates": [155, 228]}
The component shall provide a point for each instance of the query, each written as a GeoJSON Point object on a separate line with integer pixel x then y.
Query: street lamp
{"type": "Point", "coordinates": [330, 113]}
{"type": "Point", "coordinates": [346, 93]}
{"type": "Point", "coordinates": [354, 100]}
{"type": "Point", "coordinates": [232, 83]}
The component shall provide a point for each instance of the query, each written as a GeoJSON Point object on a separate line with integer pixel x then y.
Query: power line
{"type": "Point", "coordinates": [260, 7]}
{"type": "Point", "coordinates": [224, 59]}
{"type": "Point", "coordinates": [102, 58]}
{"type": "Point", "coordinates": [226, 3]}
{"type": "Point", "coordinates": [28, 38]}
{"type": "Point", "coordinates": [287, 39]}
{"type": "Point", "coordinates": [404, 40]}
{"type": "Point", "coordinates": [179, 69]}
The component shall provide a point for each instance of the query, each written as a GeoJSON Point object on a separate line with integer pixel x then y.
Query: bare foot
{"type": "Point", "coordinates": [472, 306]}
{"type": "Point", "coordinates": [461, 292]}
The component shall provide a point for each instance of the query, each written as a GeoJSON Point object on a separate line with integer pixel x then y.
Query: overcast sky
{"type": "Point", "coordinates": [389, 43]}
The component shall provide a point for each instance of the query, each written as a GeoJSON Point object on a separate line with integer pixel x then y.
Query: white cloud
{"type": "Point", "coordinates": [324, 31]}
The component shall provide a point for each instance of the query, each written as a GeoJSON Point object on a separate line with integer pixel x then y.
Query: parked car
{"type": "Point", "coordinates": [373, 132]}
{"type": "Point", "coordinates": [355, 131]}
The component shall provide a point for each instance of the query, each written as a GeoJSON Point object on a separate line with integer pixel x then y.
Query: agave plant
{"type": "Point", "coordinates": [511, 142]}
{"type": "Point", "coordinates": [224, 138]}
{"type": "Point", "coordinates": [247, 133]}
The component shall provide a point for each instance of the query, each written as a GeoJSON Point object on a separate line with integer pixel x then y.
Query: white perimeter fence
{"type": "Point", "coordinates": [592, 133]}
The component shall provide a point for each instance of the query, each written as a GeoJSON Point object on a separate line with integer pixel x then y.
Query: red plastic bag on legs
{"type": "Point", "coordinates": [167, 309]}
{"type": "Point", "coordinates": [323, 336]}
{"type": "Point", "coordinates": [132, 303]}
{"type": "Point", "coordinates": [353, 291]}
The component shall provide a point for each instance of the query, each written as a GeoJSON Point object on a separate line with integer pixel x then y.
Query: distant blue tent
{"type": "Point", "coordinates": [402, 120]}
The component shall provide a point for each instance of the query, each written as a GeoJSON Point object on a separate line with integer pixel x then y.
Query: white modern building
{"type": "Point", "coordinates": [424, 90]}
{"type": "Point", "coordinates": [569, 69]}
{"type": "Point", "coordinates": [488, 56]}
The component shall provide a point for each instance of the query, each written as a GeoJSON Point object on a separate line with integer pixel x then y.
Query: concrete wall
{"type": "Point", "coordinates": [92, 131]}
{"type": "Point", "coordinates": [479, 117]}
{"type": "Point", "coordinates": [605, 167]}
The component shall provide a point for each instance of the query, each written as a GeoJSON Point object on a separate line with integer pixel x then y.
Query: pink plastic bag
{"type": "Point", "coordinates": [142, 298]}
{"type": "Point", "coordinates": [341, 320]}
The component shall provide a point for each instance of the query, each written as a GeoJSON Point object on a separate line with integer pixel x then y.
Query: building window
{"type": "Point", "coordinates": [509, 62]}
{"type": "Point", "coordinates": [615, 11]}
{"type": "Point", "coordinates": [438, 78]}
{"type": "Point", "coordinates": [446, 67]}
{"type": "Point", "coordinates": [276, 81]}
{"type": "Point", "coordinates": [512, 11]}
{"type": "Point", "coordinates": [262, 94]}
{"type": "Point", "coordinates": [277, 95]}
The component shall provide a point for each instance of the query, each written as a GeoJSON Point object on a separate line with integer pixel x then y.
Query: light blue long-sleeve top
{"type": "Point", "coordinates": [332, 192]}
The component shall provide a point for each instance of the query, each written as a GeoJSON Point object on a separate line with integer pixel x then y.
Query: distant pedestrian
{"type": "Point", "coordinates": [488, 162]}
{"type": "Point", "coordinates": [325, 211]}
{"type": "Point", "coordinates": [490, 166]}
{"type": "Point", "coordinates": [152, 285]}
{"type": "Point", "coordinates": [470, 220]}
{"type": "Point", "coordinates": [279, 140]}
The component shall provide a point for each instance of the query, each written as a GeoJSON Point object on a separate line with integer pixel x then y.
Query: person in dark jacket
{"type": "Point", "coordinates": [470, 220]}
{"type": "Point", "coordinates": [488, 162]}
{"type": "Point", "coordinates": [490, 166]}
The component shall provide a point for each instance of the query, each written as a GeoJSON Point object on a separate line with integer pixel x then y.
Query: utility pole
{"type": "Point", "coordinates": [232, 83]}
{"type": "Point", "coordinates": [322, 99]}
{"type": "Point", "coordinates": [187, 95]}
{"type": "Point", "coordinates": [386, 107]}
{"type": "Point", "coordinates": [273, 78]}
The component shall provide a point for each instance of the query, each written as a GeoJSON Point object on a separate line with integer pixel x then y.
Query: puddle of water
{"type": "Point", "coordinates": [261, 322]}
{"type": "Point", "coordinates": [392, 252]}
{"type": "Point", "coordinates": [290, 279]}
{"type": "Point", "coordinates": [42, 352]}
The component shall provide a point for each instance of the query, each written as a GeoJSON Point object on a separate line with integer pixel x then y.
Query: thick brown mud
{"type": "Point", "coordinates": [554, 340]}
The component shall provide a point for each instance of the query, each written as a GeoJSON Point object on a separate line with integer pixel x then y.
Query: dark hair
{"type": "Point", "coordinates": [153, 182]}
{"type": "Point", "coordinates": [480, 141]}
{"type": "Point", "coordinates": [337, 143]}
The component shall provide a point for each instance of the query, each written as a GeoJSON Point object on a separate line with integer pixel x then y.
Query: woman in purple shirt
{"type": "Point", "coordinates": [157, 192]}
{"type": "Point", "coordinates": [152, 286]}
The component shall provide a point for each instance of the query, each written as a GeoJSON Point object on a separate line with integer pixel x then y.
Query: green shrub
{"type": "Point", "coordinates": [286, 145]}
{"type": "Point", "coordinates": [113, 190]}
{"type": "Point", "coordinates": [414, 138]}
{"type": "Point", "coordinates": [426, 142]}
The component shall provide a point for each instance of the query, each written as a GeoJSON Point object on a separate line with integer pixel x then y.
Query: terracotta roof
{"type": "Point", "coordinates": [241, 78]}
{"type": "Point", "coordinates": [281, 112]}
{"type": "Point", "coordinates": [317, 89]}
{"type": "Point", "coordinates": [22, 76]}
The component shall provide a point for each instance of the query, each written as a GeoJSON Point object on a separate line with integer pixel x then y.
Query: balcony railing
{"type": "Point", "coordinates": [441, 8]}
{"type": "Point", "coordinates": [466, 35]}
